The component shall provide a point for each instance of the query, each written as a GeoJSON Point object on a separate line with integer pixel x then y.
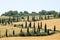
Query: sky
{"type": "Point", "coordinates": [29, 5]}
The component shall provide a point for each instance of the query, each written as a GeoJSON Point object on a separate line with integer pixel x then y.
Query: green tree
{"type": "Point", "coordinates": [38, 29]}
{"type": "Point", "coordinates": [30, 25]}
{"type": "Point", "coordinates": [27, 18]}
{"type": "Point", "coordinates": [21, 33]}
{"type": "Point", "coordinates": [41, 25]}
{"type": "Point", "coordinates": [48, 31]}
{"type": "Point", "coordinates": [25, 24]}
{"type": "Point", "coordinates": [27, 30]}
{"type": "Point", "coordinates": [21, 30]}
{"type": "Point", "coordinates": [17, 18]}
{"type": "Point", "coordinates": [33, 18]}
{"type": "Point", "coordinates": [43, 12]}
{"type": "Point", "coordinates": [48, 16]}
{"type": "Point", "coordinates": [6, 33]}
{"type": "Point", "coordinates": [54, 28]}
{"type": "Point", "coordinates": [34, 28]}
{"type": "Point", "coordinates": [45, 29]}
{"type": "Point", "coordinates": [13, 32]}
{"type": "Point", "coordinates": [15, 25]}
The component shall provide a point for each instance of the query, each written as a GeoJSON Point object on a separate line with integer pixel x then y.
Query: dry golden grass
{"type": "Point", "coordinates": [50, 25]}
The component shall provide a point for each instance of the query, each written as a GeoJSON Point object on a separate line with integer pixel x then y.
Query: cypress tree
{"type": "Point", "coordinates": [17, 19]}
{"type": "Point", "coordinates": [48, 31]}
{"type": "Point", "coordinates": [25, 24]}
{"type": "Point", "coordinates": [2, 21]}
{"type": "Point", "coordinates": [48, 16]}
{"type": "Point", "coordinates": [6, 33]}
{"type": "Point", "coordinates": [22, 25]}
{"type": "Point", "coordinates": [13, 32]}
{"type": "Point", "coordinates": [13, 19]}
{"type": "Point", "coordinates": [38, 30]}
{"type": "Point", "coordinates": [21, 30]}
{"type": "Point", "coordinates": [21, 33]}
{"type": "Point", "coordinates": [38, 25]}
{"type": "Point", "coordinates": [41, 25]}
{"type": "Point", "coordinates": [33, 18]}
{"type": "Point", "coordinates": [28, 18]}
{"type": "Point", "coordinates": [45, 28]}
{"type": "Point", "coordinates": [27, 30]}
{"type": "Point", "coordinates": [34, 28]}
{"type": "Point", "coordinates": [54, 28]}
{"type": "Point", "coordinates": [30, 25]}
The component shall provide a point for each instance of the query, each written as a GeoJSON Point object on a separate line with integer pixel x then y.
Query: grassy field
{"type": "Point", "coordinates": [50, 25]}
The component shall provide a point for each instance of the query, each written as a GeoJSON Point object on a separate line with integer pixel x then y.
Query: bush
{"type": "Point", "coordinates": [43, 34]}
{"type": "Point", "coordinates": [15, 25]}
{"type": "Point", "coordinates": [22, 34]}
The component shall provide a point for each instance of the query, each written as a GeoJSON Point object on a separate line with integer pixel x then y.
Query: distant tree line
{"type": "Point", "coordinates": [42, 12]}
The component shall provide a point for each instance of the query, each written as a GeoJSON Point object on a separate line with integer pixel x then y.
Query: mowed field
{"type": "Point", "coordinates": [50, 25]}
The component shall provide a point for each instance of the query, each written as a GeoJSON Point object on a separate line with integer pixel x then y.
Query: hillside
{"type": "Point", "coordinates": [50, 25]}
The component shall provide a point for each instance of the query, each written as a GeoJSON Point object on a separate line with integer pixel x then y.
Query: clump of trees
{"type": "Point", "coordinates": [25, 13]}
{"type": "Point", "coordinates": [33, 32]}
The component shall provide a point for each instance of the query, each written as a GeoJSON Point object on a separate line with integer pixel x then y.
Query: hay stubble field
{"type": "Point", "coordinates": [50, 25]}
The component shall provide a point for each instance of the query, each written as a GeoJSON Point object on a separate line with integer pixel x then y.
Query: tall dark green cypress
{"type": "Point", "coordinates": [38, 25]}
{"type": "Point", "coordinates": [33, 18]}
{"type": "Point", "coordinates": [34, 28]}
{"type": "Point", "coordinates": [41, 25]}
{"type": "Point", "coordinates": [25, 24]}
{"type": "Point", "coordinates": [38, 30]}
{"type": "Point", "coordinates": [21, 30]}
{"type": "Point", "coordinates": [27, 30]}
{"type": "Point", "coordinates": [27, 18]}
{"type": "Point", "coordinates": [13, 32]}
{"type": "Point", "coordinates": [13, 19]}
{"type": "Point", "coordinates": [17, 18]}
{"type": "Point", "coordinates": [45, 28]}
{"type": "Point", "coordinates": [30, 25]}
{"type": "Point", "coordinates": [6, 33]}
{"type": "Point", "coordinates": [48, 16]}
{"type": "Point", "coordinates": [54, 28]}
{"type": "Point", "coordinates": [48, 31]}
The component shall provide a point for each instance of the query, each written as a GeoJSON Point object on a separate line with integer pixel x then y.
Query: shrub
{"type": "Point", "coordinates": [43, 34]}
{"type": "Point", "coordinates": [21, 33]}
{"type": "Point", "coordinates": [15, 25]}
